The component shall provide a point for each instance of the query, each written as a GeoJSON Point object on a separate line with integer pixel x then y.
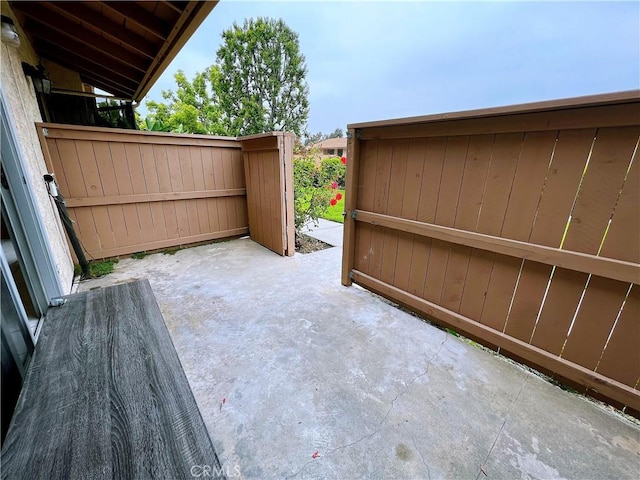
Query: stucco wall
{"type": "Point", "coordinates": [23, 108]}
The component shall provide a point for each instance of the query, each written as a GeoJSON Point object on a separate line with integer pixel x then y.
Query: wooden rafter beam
{"type": "Point", "coordinates": [112, 31]}
{"type": "Point", "coordinates": [192, 16]}
{"type": "Point", "coordinates": [176, 6]}
{"type": "Point", "coordinates": [88, 53]}
{"type": "Point", "coordinates": [140, 16]}
{"type": "Point", "coordinates": [106, 85]}
{"type": "Point", "coordinates": [82, 65]}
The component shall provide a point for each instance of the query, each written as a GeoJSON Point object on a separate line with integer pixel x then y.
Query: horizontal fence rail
{"type": "Point", "coordinates": [129, 191]}
{"type": "Point", "coordinates": [519, 227]}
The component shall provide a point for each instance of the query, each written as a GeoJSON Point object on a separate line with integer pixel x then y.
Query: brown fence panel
{"type": "Point", "coordinates": [268, 171]}
{"type": "Point", "coordinates": [130, 191]}
{"type": "Point", "coordinates": [517, 226]}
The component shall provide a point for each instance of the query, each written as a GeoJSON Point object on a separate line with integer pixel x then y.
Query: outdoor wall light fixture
{"type": "Point", "coordinates": [9, 34]}
{"type": "Point", "coordinates": [41, 82]}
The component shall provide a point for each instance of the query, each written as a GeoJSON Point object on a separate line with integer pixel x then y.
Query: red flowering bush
{"type": "Point", "coordinates": [314, 187]}
{"type": "Point", "coordinates": [335, 169]}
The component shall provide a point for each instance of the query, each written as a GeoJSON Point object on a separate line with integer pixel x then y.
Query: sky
{"type": "Point", "coordinates": [391, 59]}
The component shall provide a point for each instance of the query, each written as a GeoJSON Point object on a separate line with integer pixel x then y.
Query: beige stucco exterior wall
{"type": "Point", "coordinates": [23, 108]}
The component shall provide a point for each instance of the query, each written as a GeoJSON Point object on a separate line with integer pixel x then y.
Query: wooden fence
{"type": "Point", "coordinates": [269, 172]}
{"type": "Point", "coordinates": [518, 226]}
{"type": "Point", "coordinates": [130, 191]}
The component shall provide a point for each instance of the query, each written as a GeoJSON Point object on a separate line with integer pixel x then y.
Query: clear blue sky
{"type": "Point", "coordinates": [380, 60]}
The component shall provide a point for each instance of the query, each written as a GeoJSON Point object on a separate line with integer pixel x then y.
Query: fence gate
{"type": "Point", "coordinates": [268, 171]}
{"type": "Point", "coordinates": [518, 226]}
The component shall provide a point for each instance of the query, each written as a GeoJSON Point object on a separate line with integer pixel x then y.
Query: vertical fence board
{"type": "Point", "coordinates": [118, 159]}
{"type": "Point", "coordinates": [149, 168]}
{"type": "Point", "coordinates": [502, 168]}
{"type": "Point", "coordinates": [227, 170]}
{"type": "Point", "coordinates": [159, 221]}
{"type": "Point", "coordinates": [108, 225]}
{"type": "Point", "coordinates": [433, 152]}
{"type": "Point", "coordinates": [623, 237]}
{"type": "Point", "coordinates": [162, 168]}
{"type": "Point", "coordinates": [147, 228]}
{"type": "Point", "coordinates": [366, 189]}
{"type": "Point", "coordinates": [89, 168]}
{"type": "Point", "coordinates": [598, 311]}
{"type": "Point", "coordinates": [467, 212]}
{"type": "Point", "coordinates": [610, 158]}
{"type": "Point", "coordinates": [451, 180]}
{"type": "Point", "coordinates": [136, 170]}
{"type": "Point", "coordinates": [601, 184]}
{"type": "Point", "coordinates": [568, 162]}
{"type": "Point", "coordinates": [72, 170]}
{"type": "Point", "coordinates": [528, 182]}
{"type": "Point", "coordinates": [410, 201]}
{"type": "Point", "coordinates": [612, 154]}
{"type": "Point", "coordinates": [390, 248]}
{"type": "Point", "coordinates": [380, 200]}
{"type": "Point", "coordinates": [621, 357]}
{"type": "Point", "coordinates": [84, 219]}
{"type": "Point", "coordinates": [118, 226]}
{"type": "Point", "coordinates": [56, 162]}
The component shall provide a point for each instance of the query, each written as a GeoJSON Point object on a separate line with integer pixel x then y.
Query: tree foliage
{"type": "Point", "coordinates": [262, 84]}
{"type": "Point", "coordinates": [257, 85]}
{"type": "Point", "coordinates": [311, 138]}
{"type": "Point", "coordinates": [191, 108]}
{"type": "Point", "coordinates": [337, 133]}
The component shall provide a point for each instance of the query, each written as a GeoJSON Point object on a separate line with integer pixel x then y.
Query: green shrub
{"type": "Point", "coordinates": [334, 168]}
{"type": "Point", "coordinates": [315, 187]}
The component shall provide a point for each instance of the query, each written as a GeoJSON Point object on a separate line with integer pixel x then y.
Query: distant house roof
{"type": "Point", "coordinates": [332, 143]}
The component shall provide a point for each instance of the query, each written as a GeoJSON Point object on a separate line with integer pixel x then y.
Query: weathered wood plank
{"type": "Point", "coordinates": [105, 396]}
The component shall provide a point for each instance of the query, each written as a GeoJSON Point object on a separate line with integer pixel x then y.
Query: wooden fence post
{"type": "Point", "coordinates": [350, 204]}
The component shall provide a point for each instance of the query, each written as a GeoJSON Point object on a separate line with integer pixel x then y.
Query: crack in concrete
{"type": "Point", "coordinates": [386, 415]}
{"type": "Point", "coordinates": [424, 462]}
{"type": "Point", "coordinates": [495, 441]}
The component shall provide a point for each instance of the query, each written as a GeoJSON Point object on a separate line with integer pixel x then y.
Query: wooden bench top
{"type": "Point", "coordinates": [105, 396]}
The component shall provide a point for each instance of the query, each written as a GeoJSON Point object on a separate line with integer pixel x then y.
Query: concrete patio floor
{"type": "Point", "coordinates": [285, 363]}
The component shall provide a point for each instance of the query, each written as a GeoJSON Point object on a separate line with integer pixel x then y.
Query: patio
{"type": "Point", "coordinates": [286, 365]}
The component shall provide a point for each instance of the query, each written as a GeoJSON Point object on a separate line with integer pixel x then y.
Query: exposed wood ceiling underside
{"type": "Point", "coordinates": [119, 47]}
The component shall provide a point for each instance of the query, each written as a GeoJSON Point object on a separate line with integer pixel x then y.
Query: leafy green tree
{"type": "Point", "coordinates": [262, 84]}
{"type": "Point", "coordinates": [337, 133]}
{"type": "Point", "coordinates": [192, 108]}
{"type": "Point", "coordinates": [311, 138]}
